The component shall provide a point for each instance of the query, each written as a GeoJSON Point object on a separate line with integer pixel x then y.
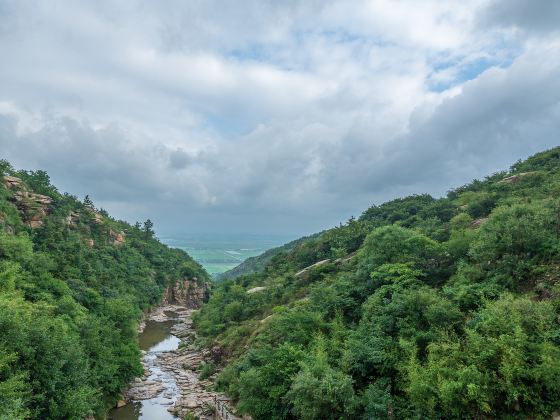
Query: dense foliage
{"type": "Point", "coordinates": [421, 308]}
{"type": "Point", "coordinates": [70, 298]}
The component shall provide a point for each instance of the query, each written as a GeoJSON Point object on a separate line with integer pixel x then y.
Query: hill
{"type": "Point", "coordinates": [258, 263]}
{"type": "Point", "coordinates": [73, 285]}
{"type": "Point", "coordinates": [421, 308]}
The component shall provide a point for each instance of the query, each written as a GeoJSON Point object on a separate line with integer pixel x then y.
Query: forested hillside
{"type": "Point", "coordinates": [258, 263]}
{"type": "Point", "coordinates": [73, 284]}
{"type": "Point", "coordinates": [421, 308]}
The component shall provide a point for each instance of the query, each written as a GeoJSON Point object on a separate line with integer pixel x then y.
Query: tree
{"type": "Point", "coordinates": [319, 391]}
{"type": "Point", "coordinates": [262, 387]}
{"type": "Point", "coordinates": [88, 202]}
{"type": "Point", "coordinates": [515, 241]}
{"type": "Point", "coordinates": [5, 167]}
{"type": "Point", "coordinates": [394, 244]}
{"type": "Point", "coordinates": [148, 229]}
{"type": "Point", "coordinates": [507, 363]}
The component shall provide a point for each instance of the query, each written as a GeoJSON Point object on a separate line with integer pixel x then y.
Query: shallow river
{"type": "Point", "coordinates": [155, 338]}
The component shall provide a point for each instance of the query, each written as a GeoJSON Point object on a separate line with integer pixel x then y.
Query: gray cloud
{"type": "Point", "coordinates": [273, 117]}
{"type": "Point", "coordinates": [540, 17]}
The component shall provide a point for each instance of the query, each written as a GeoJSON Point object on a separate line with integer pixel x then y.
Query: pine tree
{"type": "Point", "coordinates": [88, 202]}
{"type": "Point", "coordinates": [148, 231]}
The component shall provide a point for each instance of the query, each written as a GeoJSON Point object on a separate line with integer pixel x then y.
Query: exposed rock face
{"type": "Point", "coordinates": [478, 222]}
{"type": "Point", "coordinates": [306, 269]}
{"type": "Point", "coordinates": [188, 293]}
{"type": "Point", "coordinates": [255, 290]}
{"type": "Point", "coordinates": [12, 182]}
{"type": "Point", "coordinates": [514, 178]}
{"type": "Point", "coordinates": [72, 218]}
{"type": "Point", "coordinates": [345, 259]}
{"type": "Point", "coordinates": [96, 218]}
{"type": "Point", "coordinates": [89, 242]}
{"type": "Point", "coordinates": [116, 238]}
{"type": "Point", "coordinates": [33, 207]}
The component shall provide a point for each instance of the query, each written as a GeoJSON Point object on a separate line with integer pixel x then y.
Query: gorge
{"type": "Point", "coordinates": [422, 307]}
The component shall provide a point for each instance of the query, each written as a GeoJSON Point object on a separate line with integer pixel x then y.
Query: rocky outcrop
{"type": "Point", "coordinates": [514, 178]}
{"type": "Point", "coordinates": [72, 218]}
{"type": "Point", "coordinates": [12, 182]}
{"type": "Point", "coordinates": [144, 389]}
{"type": "Point", "coordinates": [256, 290]}
{"type": "Point", "coordinates": [33, 207]}
{"type": "Point", "coordinates": [306, 269]}
{"type": "Point", "coordinates": [96, 218]}
{"type": "Point", "coordinates": [189, 293]}
{"type": "Point", "coordinates": [478, 222]}
{"type": "Point", "coordinates": [116, 238]}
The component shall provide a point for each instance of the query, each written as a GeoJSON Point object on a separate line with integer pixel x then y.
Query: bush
{"type": "Point", "coordinates": [206, 370]}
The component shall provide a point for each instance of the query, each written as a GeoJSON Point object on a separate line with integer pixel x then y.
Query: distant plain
{"type": "Point", "coordinates": [220, 253]}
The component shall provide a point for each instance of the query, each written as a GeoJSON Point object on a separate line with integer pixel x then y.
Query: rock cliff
{"type": "Point", "coordinates": [190, 293]}
{"type": "Point", "coordinates": [33, 207]}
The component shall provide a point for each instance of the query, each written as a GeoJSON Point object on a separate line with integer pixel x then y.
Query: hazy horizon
{"type": "Point", "coordinates": [218, 253]}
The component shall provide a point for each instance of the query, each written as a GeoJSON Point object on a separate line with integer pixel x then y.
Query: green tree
{"type": "Point", "coordinates": [88, 202]}
{"type": "Point", "coordinates": [262, 388]}
{"type": "Point", "coordinates": [515, 241]}
{"type": "Point", "coordinates": [148, 229]}
{"type": "Point", "coordinates": [319, 391]}
{"type": "Point", "coordinates": [505, 364]}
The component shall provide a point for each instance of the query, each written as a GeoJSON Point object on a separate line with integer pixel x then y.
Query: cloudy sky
{"type": "Point", "coordinates": [261, 116]}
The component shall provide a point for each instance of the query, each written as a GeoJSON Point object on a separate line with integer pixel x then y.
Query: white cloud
{"type": "Point", "coordinates": [271, 116]}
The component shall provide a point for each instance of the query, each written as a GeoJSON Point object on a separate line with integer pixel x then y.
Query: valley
{"type": "Point", "coordinates": [220, 253]}
{"type": "Point", "coordinates": [422, 307]}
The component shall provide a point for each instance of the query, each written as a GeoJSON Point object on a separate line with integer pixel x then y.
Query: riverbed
{"type": "Point", "coordinates": [171, 385]}
{"type": "Point", "coordinates": [155, 338]}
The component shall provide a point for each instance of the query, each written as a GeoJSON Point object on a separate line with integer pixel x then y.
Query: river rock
{"type": "Point", "coordinates": [144, 390]}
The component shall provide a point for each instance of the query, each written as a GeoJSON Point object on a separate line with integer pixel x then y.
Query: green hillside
{"type": "Point", "coordinates": [421, 308]}
{"type": "Point", "coordinates": [259, 262]}
{"type": "Point", "coordinates": [73, 284]}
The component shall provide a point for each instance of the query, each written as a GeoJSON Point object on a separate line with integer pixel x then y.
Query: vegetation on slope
{"type": "Point", "coordinates": [73, 283]}
{"type": "Point", "coordinates": [421, 308]}
{"type": "Point", "coordinates": [258, 263]}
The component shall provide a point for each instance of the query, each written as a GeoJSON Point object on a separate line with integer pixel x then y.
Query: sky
{"type": "Point", "coordinates": [271, 117]}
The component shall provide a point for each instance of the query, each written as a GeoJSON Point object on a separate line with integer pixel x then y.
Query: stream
{"type": "Point", "coordinates": [154, 339]}
{"type": "Point", "coordinates": [172, 362]}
